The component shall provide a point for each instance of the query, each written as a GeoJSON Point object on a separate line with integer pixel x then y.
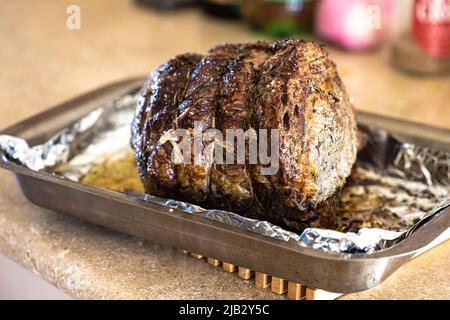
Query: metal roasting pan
{"type": "Point", "coordinates": [313, 268]}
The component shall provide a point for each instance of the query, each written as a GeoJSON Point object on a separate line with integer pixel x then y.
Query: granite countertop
{"type": "Point", "coordinates": [43, 63]}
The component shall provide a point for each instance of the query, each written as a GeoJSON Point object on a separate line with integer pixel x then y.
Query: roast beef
{"type": "Point", "coordinates": [290, 85]}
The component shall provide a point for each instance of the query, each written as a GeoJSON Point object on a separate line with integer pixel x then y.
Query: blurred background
{"type": "Point", "coordinates": [392, 55]}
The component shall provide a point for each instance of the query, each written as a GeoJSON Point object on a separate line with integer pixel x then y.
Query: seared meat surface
{"type": "Point", "coordinates": [289, 85]}
{"type": "Point", "coordinates": [301, 94]}
{"type": "Point", "coordinates": [156, 113]}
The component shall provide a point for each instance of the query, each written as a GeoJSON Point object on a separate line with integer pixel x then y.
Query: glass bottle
{"type": "Point", "coordinates": [422, 42]}
{"type": "Point", "coordinates": [280, 18]}
{"type": "Point", "coordinates": [228, 9]}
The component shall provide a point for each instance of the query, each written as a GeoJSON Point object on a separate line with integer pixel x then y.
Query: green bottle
{"type": "Point", "coordinates": [280, 18]}
{"type": "Point", "coordinates": [227, 9]}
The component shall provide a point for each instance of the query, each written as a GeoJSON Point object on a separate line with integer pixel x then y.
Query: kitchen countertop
{"type": "Point", "coordinates": [43, 63]}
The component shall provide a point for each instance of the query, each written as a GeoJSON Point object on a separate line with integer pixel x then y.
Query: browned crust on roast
{"type": "Point", "coordinates": [289, 85]}
{"type": "Point", "coordinates": [137, 125]}
{"type": "Point", "coordinates": [301, 94]}
{"type": "Point", "coordinates": [155, 112]}
{"type": "Point", "coordinates": [200, 106]}
{"type": "Point", "coordinates": [230, 184]}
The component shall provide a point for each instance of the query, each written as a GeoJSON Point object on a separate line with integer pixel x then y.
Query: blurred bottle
{"type": "Point", "coordinates": [280, 18]}
{"type": "Point", "coordinates": [228, 9]}
{"type": "Point", "coordinates": [354, 24]}
{"type": "Point", "coordinates": [422, 42]}
{"type": "Point", "coordinates": [167, 5]}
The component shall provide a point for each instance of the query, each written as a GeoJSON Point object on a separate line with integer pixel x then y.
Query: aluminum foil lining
{"type": "Point", "coordinates": [392, 192]}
